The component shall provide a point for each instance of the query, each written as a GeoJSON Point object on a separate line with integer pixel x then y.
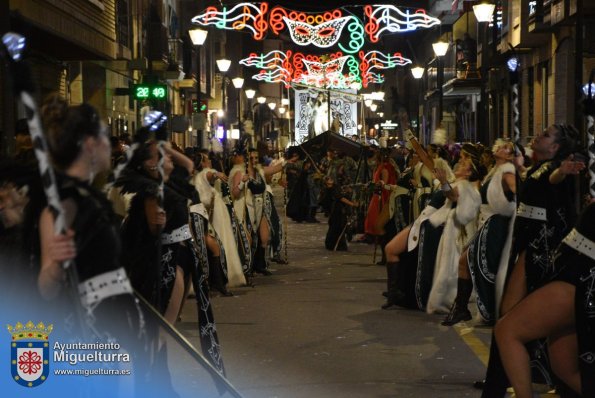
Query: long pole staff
{"type": "Point", "coordinates": [14, 45]}
{"type": "Point", "coordinates": [589, 107]}
{"type": "Point", "coordinates": [359, 163]}
{"type": "Point", "coordinates": [284, 231]}
{"type": "Point", "coordinates": [311, 160]}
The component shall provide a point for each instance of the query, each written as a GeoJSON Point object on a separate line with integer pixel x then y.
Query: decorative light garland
{"type": "Point", "coordinates": [377, 60]}
{"type": "Point", "coordinates": [287, 67]}
{"type": "Point", "coordinates": [384, 17]}
{"type": "Point", "coordinates": [323, 30]}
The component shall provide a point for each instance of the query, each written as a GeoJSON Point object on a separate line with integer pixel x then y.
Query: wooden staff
{"type": "Point", "coordinates": [421, 152]}
{"type": "Point", "coordinates": [312, 160]}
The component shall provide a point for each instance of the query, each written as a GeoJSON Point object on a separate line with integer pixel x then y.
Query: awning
{"type": "Point", "coordinates": [462, 87]}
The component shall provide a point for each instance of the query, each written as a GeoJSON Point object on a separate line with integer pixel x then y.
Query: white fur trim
{"type": "Point", "coordinates": [413, 237]}
{"type": "Point", "coordinates": [454, 239]}
{"type": "Point", "coordinates": [497, 200]}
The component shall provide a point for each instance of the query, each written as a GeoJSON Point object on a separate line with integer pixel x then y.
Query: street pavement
{"type": "Point", "coordinates": [315, 329]}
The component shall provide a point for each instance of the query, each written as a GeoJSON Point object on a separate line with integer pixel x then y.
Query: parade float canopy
{"type": "Point", "coordinates": [318, 145]}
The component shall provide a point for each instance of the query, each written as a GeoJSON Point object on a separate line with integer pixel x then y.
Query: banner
{"type": "Point", "coordinates": [312, 114]}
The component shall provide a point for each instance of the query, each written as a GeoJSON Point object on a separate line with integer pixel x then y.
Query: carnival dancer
{"type": "Point", "coordinates": [248, 185]}
{"type": "Point", "coordinates": [398, 213]}
{"type": "Point", "coordinates": [163, 284]}
{"type": "Point", "coordinates": [458, 215]}
{"type": "Point", "coordinates": [488, 251]}
{"type": "Point", "coordinates": [206, 182]}
{"type": "Point", "coordinates": [563, 311]}
{"type": "Point", "coordinates": [424, 180]}
{"type": "Point", "coordinates": [336, 236]}
{"type": "Point", "coordinates": [277, 232]}
{"type": "Point", "coordinates": [385, 174]}
{"type": "Point", "coordinates": [545, 215]}
{"type": "Point", "coordinates": [411, 254]}
{"type": "Point", "coordinates": [163, 250]}
{"type": "Point", "coordinates": [300, 198]}
{"type": "Point", "coordinates": [80, 148]}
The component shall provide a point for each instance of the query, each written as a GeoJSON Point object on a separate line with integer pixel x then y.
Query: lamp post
{"type": "Point", "coordinates": [250, 95]}
{"type": "Point", "coordinates": [484, 14]}
{"type": "Point", "coordinates": [440, 49]}
{"type": "Point", "coordinates": [198, 37]}
{"type": "Point", "coordinates": [272, 106]}
{"type": "Point", "coordinates": [223, 66]}
{"type": "Point", "coordinates": [238, 83]}
{"type": "Point", "coordinates": [285, 103]}
{"type": "Point", "coordinates": [418, 73]}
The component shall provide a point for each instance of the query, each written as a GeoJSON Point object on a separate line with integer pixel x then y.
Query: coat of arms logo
{"type": "Point", "coordinates": [30, 353]}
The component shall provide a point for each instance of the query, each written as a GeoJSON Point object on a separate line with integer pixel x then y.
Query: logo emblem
{"type": "Point", "coordinates": [30, 353]}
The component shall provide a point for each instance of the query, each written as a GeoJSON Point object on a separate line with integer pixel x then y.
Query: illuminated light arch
{"type": "Point", "coordinates": [389, 18]}
{"type": "Point", "coordinates": [322, 29]}
{"type": "Point", "coordinates": [287, 67]}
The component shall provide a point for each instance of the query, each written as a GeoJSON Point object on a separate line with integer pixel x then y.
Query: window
{"type": "Point", "coordinates": [123, 23]}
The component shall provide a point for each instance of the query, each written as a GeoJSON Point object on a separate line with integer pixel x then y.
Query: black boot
{"type": "Point", "coordinates": [459, 311]}
{"type": "Point", "coordinates": [394, 295]}
{"type": "Point", "coordinates": [216, 277]}
{"type": "Point", "coordinates": [260, 262]}
{"type": "Point", "coordinates": [312, 216]}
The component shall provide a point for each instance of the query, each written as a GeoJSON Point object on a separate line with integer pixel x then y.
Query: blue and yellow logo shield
{"type": "Point", "coordinates": [30, 353]}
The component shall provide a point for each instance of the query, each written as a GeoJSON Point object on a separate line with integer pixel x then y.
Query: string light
{"type": "Point", "coordinates": [391, 19]}
{"type": "Point", "coordinates": [289, 67]}
{"type": "Point", "coordinates": [322, 29]}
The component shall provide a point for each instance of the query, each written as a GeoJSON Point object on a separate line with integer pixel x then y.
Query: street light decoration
{"type": "Point", "coordinates": [484, 12]}
{"type": "Point", "coordinates": [261, 100]}
{"type": "Point", "coordinates": [198, 36]}
{"type": "Point", "coordinates": [250, 93]}
{"type": "Point", "coordinates": [381, 18]}
{"type": "Point", "coordinates": [324, 29]}
{"type": "Point", "coordinates": [238, 82]}
{"type": "Point", "coordinates": [323, 35]}
{"type": "Point", "coordinates": [513, 64]}
{"type": "Point", "coordinates": [440, 48]}
{"type": "Point", "coordinates": [375, 60]}
{"type": "Point", "coordinates": [223, 65]}
{"type": "Point", "coordinates": [417, 72]}
{"type": "Point", "coordinates": [288, 67]}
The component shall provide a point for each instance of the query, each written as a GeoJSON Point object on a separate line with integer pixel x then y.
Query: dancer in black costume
{"type": "Point", "coordinates": [336, 236]}
{"type": "Point", "coordinates": [161, 252]}
{"type": "Point", "coordinates": [80, 147]}
{"type": "Point", "coordinates": [545, 215]}
{"type": "Point", "coordinates": [563, 311]}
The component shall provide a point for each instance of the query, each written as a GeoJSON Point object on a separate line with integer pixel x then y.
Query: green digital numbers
{"type": "Point", "coordinates": [159, 92]}
{"type": "Point", "coordinates": [141, 92]}
{"type": "Point", "coordinates": [149, 91]}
